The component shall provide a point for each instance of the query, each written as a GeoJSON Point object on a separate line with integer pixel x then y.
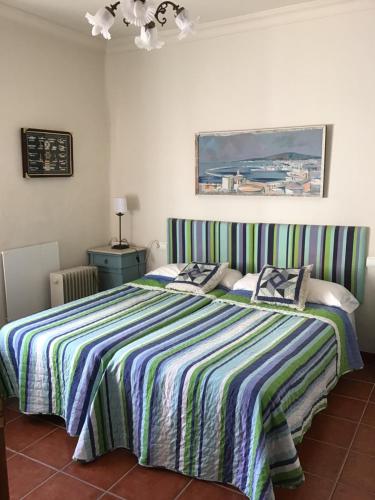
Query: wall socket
{"type": "Point", "coordinates": [162, 245]}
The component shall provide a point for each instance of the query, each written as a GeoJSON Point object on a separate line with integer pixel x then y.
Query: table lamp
{"type": "Point", "coordinates": [121, 209]}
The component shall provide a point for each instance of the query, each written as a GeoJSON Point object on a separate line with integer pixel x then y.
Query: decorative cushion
{"type": "Point", "coordinates": [318, 292]}
{"type": "Point", "coordinates": [284, 287]}
{"type": "Point", "coordinates": [171, 271]}
{"type": "Point", "coordinates": [198, 277]}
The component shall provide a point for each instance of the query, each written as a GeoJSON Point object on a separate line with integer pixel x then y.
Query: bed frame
{"type": "Point", "coordinates": [338, 253]}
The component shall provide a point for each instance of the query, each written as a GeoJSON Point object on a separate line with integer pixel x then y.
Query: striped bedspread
{"type": "Point", "coordinates": [54, 360]}
{"type": "Point", "coordinates": [223, 394]}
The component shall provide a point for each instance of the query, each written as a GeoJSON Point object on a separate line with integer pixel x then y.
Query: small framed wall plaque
{"type": "Point", "coordinates": [46, 153]}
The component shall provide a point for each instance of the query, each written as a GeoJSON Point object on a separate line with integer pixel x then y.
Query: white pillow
{"type": "Point", "coordinates": [248, 282]}
{"type": "Point", "coordinates": [319, 292]}
{"type": "Point", "coordinates": [168, 271]}
{"type": "Point", "coordinates": [231, 276]}
{"type": "Point", "coordinates": [331, 294]}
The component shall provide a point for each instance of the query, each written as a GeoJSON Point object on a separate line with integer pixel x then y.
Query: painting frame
{"type": "Point", "coordinates": [317, 190]}
{"type": "Point", "coordinates": [50, 163]}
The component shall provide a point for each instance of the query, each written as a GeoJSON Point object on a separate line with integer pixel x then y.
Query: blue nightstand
{"type": "Point", "coordinates": [117, 267]}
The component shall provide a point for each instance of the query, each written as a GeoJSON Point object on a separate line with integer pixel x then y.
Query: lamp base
{"type": "Point", "coordinates": [122, 246]}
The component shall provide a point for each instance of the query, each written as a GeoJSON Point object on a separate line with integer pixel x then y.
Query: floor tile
{"type": "Point", "coordinates": [369, 416]}
{"type": "Point", "coordinates": [11, 415]}
{"type": "Point", "coordinates": [365, 440]}
{"type": "Point", "coordinates": [341, 406]}
{"type": "Point", "coordinates": [346, 492]}
{"type": "Point", "coordinates": [104, 471]}
{"type": "Point", "coordinates": [367, 374]}
{"type": "Point", "coordinates": [368, 357]}
{"type": "Point", "coordinates": [226, 486]}
{"type": "Point", "coordinates": [24, 431]}
{"type": "Point", "coordinates": [199, 490]}
{"type": "Point", "coordinates": [353, 388]}
{"type": "Point", "coordinates": [143, 483]}
{"type": "Point", "coordinates": [321, 459]}
{"type": "Point", "coordinates": [61, 487]}
{"type": "Point", "coordinates": [56, 449]}
{"type": "Point", "coordinates": [359, 472]}
{"type": "Point", "coordinates": [312, 489]}
{"type": "Point", "coordinates": [53, 419]}
{"type": "Point", "coordinates": [24, 475]}
{"type": "Point", "coordinates": [332, 430]}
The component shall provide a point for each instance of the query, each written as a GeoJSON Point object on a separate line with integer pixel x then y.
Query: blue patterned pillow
{"type": "Point", "coordinates": [198, 277]}
{"type": "Point", "coordinates": [282, 286]}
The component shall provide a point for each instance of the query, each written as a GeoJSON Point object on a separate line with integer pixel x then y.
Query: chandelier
{"type": "Point", "coordinates": [143, 14]}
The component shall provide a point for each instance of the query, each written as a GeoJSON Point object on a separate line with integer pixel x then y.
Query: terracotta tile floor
{"type": "Point", "coordinates": [337, 455]}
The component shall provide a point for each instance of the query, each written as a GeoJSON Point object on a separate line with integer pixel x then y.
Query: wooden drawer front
{"type": "Point", "coordinates": [106, 260]}
{"type": "Point", "coordinates": [133, 259]}
{"type": "Point", "coordinates": [110, 261]}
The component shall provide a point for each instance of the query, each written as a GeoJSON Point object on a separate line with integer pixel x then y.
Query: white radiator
{"type": "Point", "coordinates": [72, 284]}
{"type": "Point", "coordinates": [26, 278]}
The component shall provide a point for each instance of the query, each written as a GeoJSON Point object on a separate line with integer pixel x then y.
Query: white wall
{"type": "Point", "coordinates": [50, 82]}
{"type": "Point", "coordinates": [301, 73]}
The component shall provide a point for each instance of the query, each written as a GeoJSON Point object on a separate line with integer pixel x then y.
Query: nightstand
{"type": "Point", "coordinates": [117, 267]}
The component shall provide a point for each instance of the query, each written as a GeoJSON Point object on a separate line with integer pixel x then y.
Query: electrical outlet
{"type": "Point", "coordinates": [162, 245]}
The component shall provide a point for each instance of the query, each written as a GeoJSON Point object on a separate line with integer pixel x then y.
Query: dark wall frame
{"type": "Point", "coordinates": [55, 151]}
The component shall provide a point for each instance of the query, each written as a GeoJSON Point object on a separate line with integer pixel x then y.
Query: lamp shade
{"type": "Point", "coordinates": [120, 205]}
{"type": "Point", "coordinates": [148, 39]}
{"type": "Point", "coordinates": [184, 23]}
{"type": "Point", "coordinates": [101, 23]}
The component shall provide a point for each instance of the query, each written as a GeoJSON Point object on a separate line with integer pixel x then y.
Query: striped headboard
{"type": "Point", "coordinates": [337, 252]}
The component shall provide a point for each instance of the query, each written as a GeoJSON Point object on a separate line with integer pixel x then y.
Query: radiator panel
{"type": "Point", "coordinates": [73, 284]}
{"type": "Point", "coordinates": [26, 278]}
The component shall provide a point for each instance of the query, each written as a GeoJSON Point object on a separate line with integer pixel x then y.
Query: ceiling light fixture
{"type": "Point", "coordinates": [141, 13]}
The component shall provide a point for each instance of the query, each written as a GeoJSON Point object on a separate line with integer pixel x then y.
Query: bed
{"type": "Point", "coordinates": [53, 361]}
{"type": "Point", "coordinates": [223, 394]}
{"type": "Point", "coordinates": [221, 389]}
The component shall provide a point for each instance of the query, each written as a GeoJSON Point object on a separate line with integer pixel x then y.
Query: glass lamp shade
{"type": "Point", "coordinates": [137, 12]}
{"type": "Point", "coordinates": [101, 23]}
{"type": "Point", "coordinates": [120, 205]}
{"type": "Point", "coordinates": [148, 39]}
{"type": "Point", "coordinates": [184, 24]}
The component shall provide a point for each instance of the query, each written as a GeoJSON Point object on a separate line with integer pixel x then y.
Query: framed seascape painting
{"type": "Point", "coordinates": [267, 162]}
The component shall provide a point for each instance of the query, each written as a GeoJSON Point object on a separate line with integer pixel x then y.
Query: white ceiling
{"type": "Point", "coordinates": [70, 13]}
